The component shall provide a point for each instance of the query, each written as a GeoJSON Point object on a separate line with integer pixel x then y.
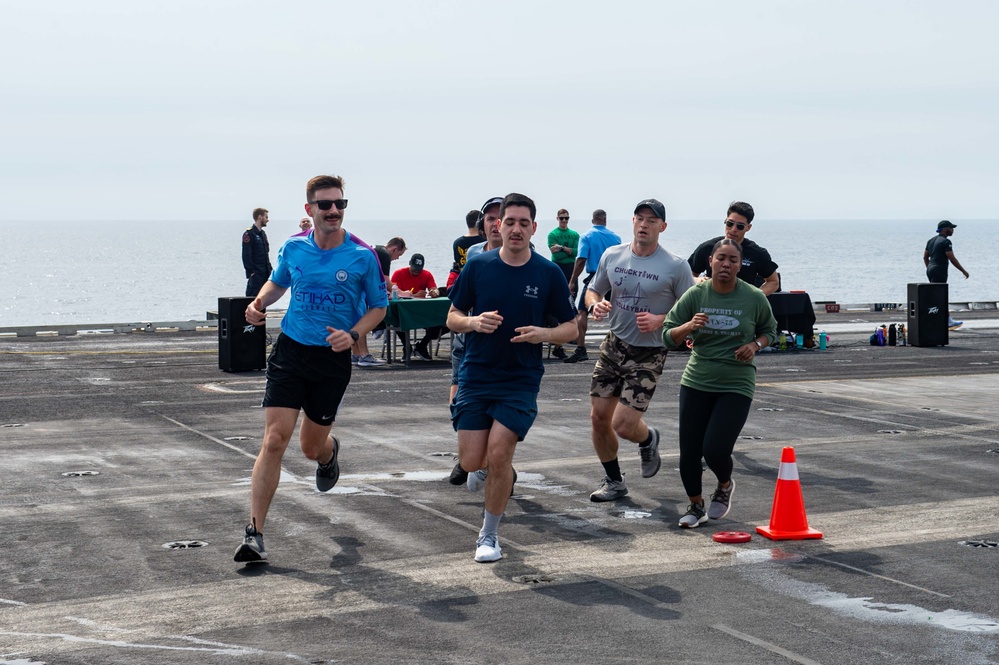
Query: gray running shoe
{"type": "Point", "coordinates": [327, 474]}
{"type": "Point", "coordinates": [252, 548]}
{"type": "Point", "coordinates": [721, 502]}
{"type": "Point", "coordinates": [370, 361]}
{"type": "Point", "coordinates": [651, 461]}
{"type": "Point", "coordinates": [610, 490]}
{"type": "Point", "coordinates": [694, 517]}
{"type": "Point", "coordinates": [458, 475]}
{"type": "Point", "coordinates": [487, 549]}
{"type": "Point", "coordinates": [477, 480]}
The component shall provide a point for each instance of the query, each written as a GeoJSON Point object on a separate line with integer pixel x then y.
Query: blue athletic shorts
{"type": "Point", "coordinates": [476, 408]}
{"type": "Point", "coordinates": [311, 378]}
{"type": "Point", "coordinates": [457, 353]}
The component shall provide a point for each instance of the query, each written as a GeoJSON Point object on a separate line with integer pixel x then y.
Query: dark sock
{"type": "Point", "coordinates": [613, 470]}
{"type": "Point", "coordinates": [648, 440]}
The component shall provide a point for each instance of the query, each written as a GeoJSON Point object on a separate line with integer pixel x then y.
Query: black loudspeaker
{"type": "Point", "coordinates": [242, 346]}
{"type": "Point", "coordinates": [928, 315]}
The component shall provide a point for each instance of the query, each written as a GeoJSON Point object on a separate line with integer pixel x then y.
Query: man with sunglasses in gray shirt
{"type": "Point", "coordinates": [757, 267]}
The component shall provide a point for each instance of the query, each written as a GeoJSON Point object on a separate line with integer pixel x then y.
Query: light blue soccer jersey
{"type": "Point", "coordinates": [332, 287]}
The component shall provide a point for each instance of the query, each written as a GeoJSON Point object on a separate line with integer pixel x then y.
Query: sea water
{"type": "Point", "coordinates": [56, 273]}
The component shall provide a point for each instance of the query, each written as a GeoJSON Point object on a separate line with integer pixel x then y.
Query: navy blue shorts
{"type": "Point", "coordinates": [311, 378]}
{"type": "Point", "coordinates": [476, 408]}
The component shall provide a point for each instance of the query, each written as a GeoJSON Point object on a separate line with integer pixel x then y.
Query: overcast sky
{"type": "Point", "coordinates": [206, 109]}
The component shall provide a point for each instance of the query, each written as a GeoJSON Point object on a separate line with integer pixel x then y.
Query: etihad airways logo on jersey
{"type": "Point", "coordinates": [531, 291]}
{"type": "Point", "coordinates": [313, 299]}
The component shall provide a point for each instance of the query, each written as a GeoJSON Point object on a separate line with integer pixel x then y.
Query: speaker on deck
{"type": "Point", "coordinates": [242, 346]}
{"type": "Point", "coordinates": [928, 315]}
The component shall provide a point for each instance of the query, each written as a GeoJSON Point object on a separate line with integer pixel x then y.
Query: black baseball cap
{"type": "Point", "coordinates": [946, 225]}
{"type": "Point", "coordinates": [658, 208]}
{"type": "Point", "coordinates": [416, 261]}
{"type": "Point", "coordinates": [496, 200]}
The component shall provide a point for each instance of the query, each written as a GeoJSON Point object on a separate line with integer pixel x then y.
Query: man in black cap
{"type": "Point", "coordinates": [416, 282]}
{"type": "Point", "coordinates": [938, 253]}
{"type": "Point", "coordinates": [635, 286]}
{"type": "Point", "coordinates": [488, 226]}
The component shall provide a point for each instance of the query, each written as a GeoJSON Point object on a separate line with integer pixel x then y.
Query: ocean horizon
{"type": "Point", "coordinates": [63, 273]}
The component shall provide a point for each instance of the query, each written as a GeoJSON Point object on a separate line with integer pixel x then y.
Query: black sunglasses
{"type": "Point", "coordinates": [326, 204]}
{"type": "Point", "coordinates": [728, 222]}
{"type": "Point", "coordinates": [563, 219]}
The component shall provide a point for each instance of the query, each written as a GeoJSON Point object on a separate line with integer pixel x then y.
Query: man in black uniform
{"type": "Point", "coordinates": [256, 254]}
{"type": "Point", "coordinates": [472, 237]}
{"type": "Point", "coordinates": [938, 254]}
{"type": "Point", "coordinates": [757, 267]}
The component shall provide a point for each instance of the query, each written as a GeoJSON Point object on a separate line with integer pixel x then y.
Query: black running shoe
{"type": "Point", "coordinates": [327, 474]}
{"type": "Point", "coordinates": [458, 475]}
{"type": "Point", "coordinates": [577, 355]}
{"type": "Point", "coordinates": [559, 352]}
{"type": "Point", "coordinates": [252, 549]}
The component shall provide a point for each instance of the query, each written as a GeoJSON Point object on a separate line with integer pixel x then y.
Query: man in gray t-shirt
{"type": "Point", "coordinates": [644, 281]}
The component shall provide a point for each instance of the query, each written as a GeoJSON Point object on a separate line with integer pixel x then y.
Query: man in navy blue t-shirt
{"type": "Point", "coordinates": [510, 291]}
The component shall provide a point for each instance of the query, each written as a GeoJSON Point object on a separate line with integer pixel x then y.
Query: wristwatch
{"type": "Point", "coordinates": [758, 345]}
{"type": "Point", "coordinates": [354, 335]}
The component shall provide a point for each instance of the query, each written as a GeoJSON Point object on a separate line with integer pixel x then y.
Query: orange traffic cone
{"type": "Point", "coordinates": [787, 519]}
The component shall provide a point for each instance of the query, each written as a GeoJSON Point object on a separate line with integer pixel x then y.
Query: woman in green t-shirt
{"type": "Point", "coordinates": [729, 321]}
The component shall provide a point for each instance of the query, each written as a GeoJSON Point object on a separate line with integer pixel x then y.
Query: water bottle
{"type": "Point", "coordinates": [901, 334]}
{"type": "Point", "coordinates": [892, 335]}
{"type": "Point", "coordinates": [823, 340]}
{"type": "Point", "coordinates": [395, 292]}
{"type": "Point", "coordinates": [799, 340]}
{"type": "Point", "coordinates": [783, 342]}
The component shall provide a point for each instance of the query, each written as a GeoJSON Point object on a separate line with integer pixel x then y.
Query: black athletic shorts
{"type": "Point", "coordinates": [311, 378]}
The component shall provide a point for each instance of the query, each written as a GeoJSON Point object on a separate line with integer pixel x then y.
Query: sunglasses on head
{"type": "Point", "coordinates": [739, 225]}
{"type": "Point", "coordinates": [326, 204]}
{"type": "Point", "coordinates": [563, 219]}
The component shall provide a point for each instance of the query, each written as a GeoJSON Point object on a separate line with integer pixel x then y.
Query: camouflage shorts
{"type": "Point", "coordinates": [627, 372]}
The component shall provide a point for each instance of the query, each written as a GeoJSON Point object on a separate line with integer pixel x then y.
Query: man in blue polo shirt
{"type": "Point", "coordinates": [592, 246]}
{"type": "Point", "coordinates": [500, 302]}
{"type": "Point", "coordinates": [337, 296]}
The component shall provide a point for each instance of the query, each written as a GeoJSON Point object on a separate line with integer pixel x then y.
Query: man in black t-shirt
{"type": "Point", "coordinates": [938, 254]}
{"type": "Point", "coordinates": [757, 267]}
{"type": "Point", "coordinates": [472, 237]}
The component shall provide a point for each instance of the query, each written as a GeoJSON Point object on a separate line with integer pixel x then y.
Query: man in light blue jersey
{"type": "Point", "coordinates": [337, 296]}
{"type": "Point", "coordinates": [592, 245]}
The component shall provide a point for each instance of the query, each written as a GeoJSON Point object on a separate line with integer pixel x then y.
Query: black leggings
{"type": "Point", "coordinates": [710, 423]}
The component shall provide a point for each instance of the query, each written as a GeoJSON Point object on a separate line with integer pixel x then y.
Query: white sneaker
{"type": "Point", "coordinates": [476, 480]}
{"type": "Point", "coordinates": [370, 361]}
{"type": "Point", "coordinates": [487, 549]}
